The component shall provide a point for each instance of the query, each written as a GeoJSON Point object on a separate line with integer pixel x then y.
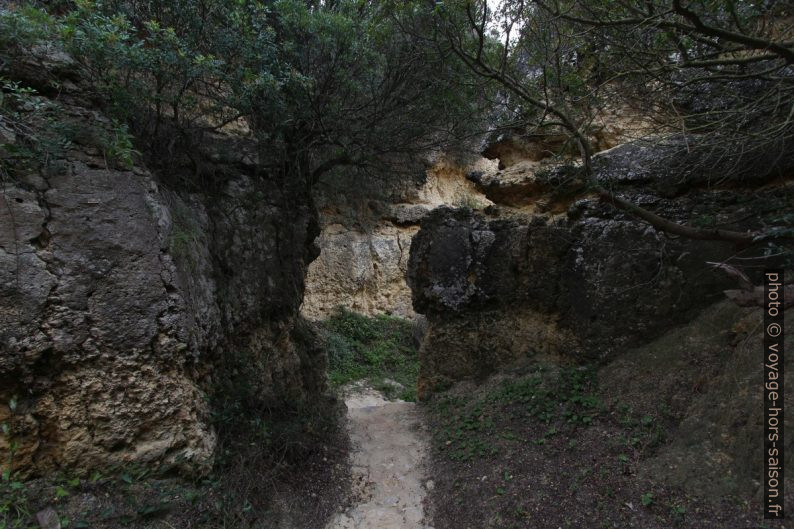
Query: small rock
{"type": "Point", "coordinates": [430, 484]}
{"type": "Point", "coordinates": [48, 519]}
{"type": "Point", "coordinates": [393, 383]}
{"type": "Point", "coordinates": [391, 501]}
{"type": "Point", "coordinates": [7, 136]}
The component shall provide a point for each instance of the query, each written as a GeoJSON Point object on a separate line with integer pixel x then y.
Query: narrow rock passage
{"type": "Point", "coordinates": [389, 448]}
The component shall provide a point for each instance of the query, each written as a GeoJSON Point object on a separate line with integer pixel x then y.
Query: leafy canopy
{"type": "Point", "coordinates": [318, 84]}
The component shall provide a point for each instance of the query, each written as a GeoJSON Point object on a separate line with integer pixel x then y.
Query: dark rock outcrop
{"type": "Point", "coordinates": [585, 285]}
{"type": "Point", "coordinates": [122, 297]}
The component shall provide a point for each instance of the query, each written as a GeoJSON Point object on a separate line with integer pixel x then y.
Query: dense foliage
{"type": "Point", "coordinates": [718, 72]}
{"type": "Point", "coordinates": [378, 350]}
{"type": "Point", "coordinates": [712, 80]}
{"type": "Point", "coordinates": [317, 84]}
{"type": "Point", "coordinates": [372, 85]}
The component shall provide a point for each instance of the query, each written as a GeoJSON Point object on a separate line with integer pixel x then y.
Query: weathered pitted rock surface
{"type": "Point", "coordinates": [120, 300]}
{"type": "Point", "coordinates": [364, 242]}
{"type": "Point", "coordinates": [388, 464]}
{"type": "Point", "coordinates": [447, 184]}
{"type": "Point", "coordinates": [499, 289]}
{"type": "Point", "coordinates": [586, 284]}
{"type": "Point", "coordinates": [516, 185]}
{"type": "Point", "coordinates": [473, 346]}
{"type": "Point", "coordinates": [364, 272]}
{"type": "Point", "coordinates": [95, 347]}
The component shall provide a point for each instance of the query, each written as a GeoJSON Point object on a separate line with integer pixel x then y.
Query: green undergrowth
{"type": "Point", "coordinates": [378, 350]}
{"type": "Point", "coordinates": [126, 497]}
{"type": "Point", "coordinates": [253, 485]}
{"type": "Point", "coordinates": [559, 433]}
{"type": "Point", "coordinates": [558, 399]}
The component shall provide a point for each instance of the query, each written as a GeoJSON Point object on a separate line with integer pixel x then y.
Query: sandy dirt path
{"type": "Point", "coordinates": [389, 449]}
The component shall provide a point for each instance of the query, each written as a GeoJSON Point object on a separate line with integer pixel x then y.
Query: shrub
{"type": "Point", "coordinates": [376, 349]}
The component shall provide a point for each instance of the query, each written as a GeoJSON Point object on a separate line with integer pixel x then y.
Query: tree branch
{"type": "Point", "coordinates": [332, 163]}
{"type": "Point", "coordinates": [668, 226]}
{"type": "Point", "coordinates": [751, 42]}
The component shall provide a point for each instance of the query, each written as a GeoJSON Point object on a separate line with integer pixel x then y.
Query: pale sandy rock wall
{"type": "Point", "coordinates": [364, 272]}
{"type": "Point", "coordinates": [448, 184]}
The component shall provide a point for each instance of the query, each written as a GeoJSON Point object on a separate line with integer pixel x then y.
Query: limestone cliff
{"type": "Point", "coordinates": [124, 294]}
{"type": "Point", "coordinates": [368, 223]}
{"type": "Point", "coordinates": [570, 276]}
{"type": "Point", "coordinates": [367, 232]}
{"type": "Point", "coordinates": [554, 275]}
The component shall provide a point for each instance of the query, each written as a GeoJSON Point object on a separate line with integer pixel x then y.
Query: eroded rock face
{"type": "Point", "coordinates": [586, 284]}
{"type": "Point", "coordinates": [120, 299]}
{"type": "Point", "coordinates": [365, 242]}
{"type": "Point", "coordinates": [364, 272]}
{"type": "Point", "coordinates": [96, 342]}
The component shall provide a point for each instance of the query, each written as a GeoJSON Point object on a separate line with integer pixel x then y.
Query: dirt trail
{"type": "Point", "coordinates": [389, 448]}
